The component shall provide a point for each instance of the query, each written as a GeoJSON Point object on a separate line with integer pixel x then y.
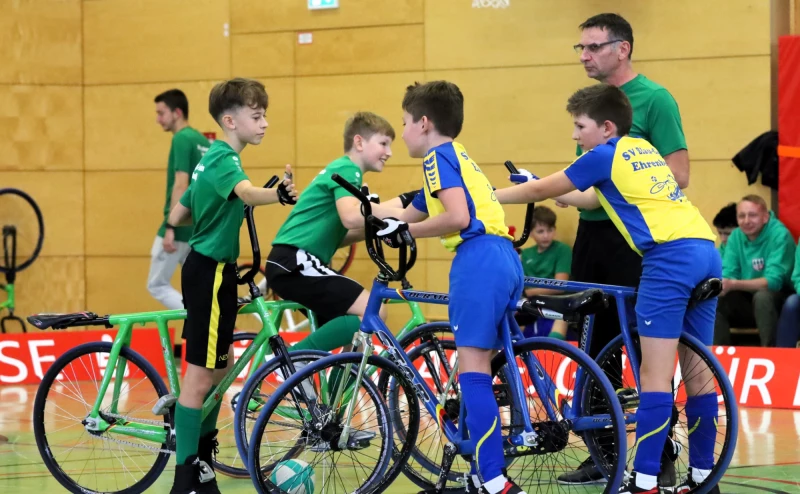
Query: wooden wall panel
{"type": "Point", "coordinates": [41, 42]}
{"type": "Point", "coordinates": [292, 15]}
{"type": "Point", "coordinates": [277, 149]}
{"type": "Point", "coordinates": [60, 197]}
{"type": "Point", "coordinates": [123, 212]}
{"type": "Point", "coordinates": [543, 33]}
{"type": "Point", "coordinates": [323, 104]}
{"type": "Point", "coordinates": [41, 128]}
{"type": "Point", "coordinates": [51, 284]}
{"type": "Point", "coordinates": [155, 40]}
{"type": "Point", "coordinates": [118, 285]}
{"type": "Point", "coordinates": [722, 110]}
{"type": "Point", "coordinates": [263, 55]}
{"type": "Point", "coordinates": [526, 108]}
{"type": "Point", "coordinates": [128, 138]}
{"type": "Point", "coordinates": [714, 184]}
{"type": "Point", "coordinates": [529, 122]}
{"type": "Point", "coordinates": [362, 50]}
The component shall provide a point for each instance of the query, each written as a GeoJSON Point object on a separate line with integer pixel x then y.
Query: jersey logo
{"type": "Point", "coordinates": [674, 191]}
{"type": "Point", "coordinates": [431, 171]}
{"type": "Point", "coordinates": [200, 167]}
{"type": "Point", "coordinates": [758, 264]}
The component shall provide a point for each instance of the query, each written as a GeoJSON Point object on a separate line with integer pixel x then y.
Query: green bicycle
{"type": "Point", "coordinates": [103, 416]}
{"type": "Point", "coordinates": [14, 203]}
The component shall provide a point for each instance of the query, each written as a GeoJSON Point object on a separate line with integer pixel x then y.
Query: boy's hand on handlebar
{"type": "Point", "coordinates": [287, 194]}
{"type": "Point", "coordinates": [395, 233]}
{"type": "Point", "coordinates": [373, 198]}
{"type": "Point", "coordinates": [523, 176]}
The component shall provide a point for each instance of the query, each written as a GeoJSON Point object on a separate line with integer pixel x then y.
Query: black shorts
{"type": "Point", "coordinates": [602, 255]}
{"type": "Point", "coordinates": [209, 295]}
{"type": "Point", "coordinates": [299, 276]}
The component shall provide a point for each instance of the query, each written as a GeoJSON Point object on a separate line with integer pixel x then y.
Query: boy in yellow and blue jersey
{"type": "Point", "coordinates": [634, 185]}
{"type": "Point", "coordinates": [458, 204]}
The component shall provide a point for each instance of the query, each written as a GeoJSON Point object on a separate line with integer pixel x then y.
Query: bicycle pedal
{"type": "Point", "coordinates": [163, 404]}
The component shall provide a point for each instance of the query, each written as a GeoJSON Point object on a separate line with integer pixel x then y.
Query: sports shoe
{"type": "Point", "coordinates": [630, 487]}
{"type": "Point", "coordinates": [689, 484]}
{"type": "Point", "coordinates": [511, 488]}
{"type": "Point", "coordinates": [207, 450]}
{"type": "Point", "coordinates": [586, 474]}
{"type": "Point", "coordinates": [194, 477]}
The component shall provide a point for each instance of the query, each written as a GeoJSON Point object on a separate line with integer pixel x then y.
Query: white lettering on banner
{"type": "Point", "coordinates": [561, 374]}
{"type": "Point", "coordinates": [796, 401]}
{"type": "Point", "coordinates": [23, 372]}
{"type": "Point", "coordinates": [760, 383]}
{"type": "Point", "coordinates": [36, 359]}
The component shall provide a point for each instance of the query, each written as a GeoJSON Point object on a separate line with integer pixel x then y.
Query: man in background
{"type": "Point", "coordinates": [600, 253]}
{"type": "Point", "coordinates": [171, 245]}
{"type": "Point", "coordinates": [756, 271]}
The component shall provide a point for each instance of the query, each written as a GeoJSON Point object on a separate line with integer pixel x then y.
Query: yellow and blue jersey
{"type": "Point", "coordinates": [448, 165]}
{"type": "Point", "coordinates": [638, 191]}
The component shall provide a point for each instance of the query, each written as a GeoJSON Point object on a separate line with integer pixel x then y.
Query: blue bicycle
{"type": "Point", "coordinates": [556, 404]}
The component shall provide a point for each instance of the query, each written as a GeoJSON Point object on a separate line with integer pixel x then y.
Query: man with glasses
{"type": "Point", "coordinates": [600, 253]}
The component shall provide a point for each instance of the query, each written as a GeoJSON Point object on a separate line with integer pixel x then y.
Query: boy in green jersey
{"type": "Point", "coordinates": [326, 218]}
{"type": "Point", "coordinates": [214, 203]}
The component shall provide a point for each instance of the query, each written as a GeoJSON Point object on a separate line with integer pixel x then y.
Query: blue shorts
{"type": "Point", "coordinates": [485, 277]}
{"type": "Point", "coordinates": [670, 271]}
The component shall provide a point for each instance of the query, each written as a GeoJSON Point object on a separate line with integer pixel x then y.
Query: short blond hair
{"type": "Point", "coordinates": [365, 124]}
{"type": "Point", "coordinates": [755, 200]}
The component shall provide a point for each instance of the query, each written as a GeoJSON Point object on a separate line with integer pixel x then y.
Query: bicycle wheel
{"type": "Point", "coordinates": [372, 459]}
{"type": "Point", "coordinates": [84, 461]}
{"type": "Point", "coordinates": [22, 228]}
{"type": "Point", "coordinates": [343, 258]}
{"type": "Point", "coordinates": [227, 460]}
{"type": "Point", "coordinates": [614, 360]}
{"type": "Point", "coordinates": [257, 391]}
{"type": "Point", "coordinates": [563, 440]}
{"type": "Point", "coordinates": [432, 350]}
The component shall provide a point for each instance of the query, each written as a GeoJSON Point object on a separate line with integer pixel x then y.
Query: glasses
{"type": "Point", "coordinates": [593, 47]}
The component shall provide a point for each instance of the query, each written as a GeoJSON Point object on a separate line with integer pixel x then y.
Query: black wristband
{"type": "Point", "coordinates": [407, 197]}
{"type": "Point", "coordinates": [169, 227]}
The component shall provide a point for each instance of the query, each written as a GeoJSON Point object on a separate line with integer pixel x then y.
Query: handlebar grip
{"type": "Point", "coordinates": [510, 166]}
{"type": "Point", "coordinates": [271, 182]}
{"type": "Point", "coordinates": [377, 222]}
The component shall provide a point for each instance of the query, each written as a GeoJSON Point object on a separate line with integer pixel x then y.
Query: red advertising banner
{"type": "Point", "coordinates": [761, 377]}
{"type": "Point", "coordinates": [24, 358]}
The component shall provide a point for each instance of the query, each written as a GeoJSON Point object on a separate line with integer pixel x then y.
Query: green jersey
{"type": "Point", "coordinates": [556, 259]}
{"type": "Point", "coordinates": [656, 119]}
{"type": "Point", "coordinates": [770, 255]}
{"type": "Point", "coordinates": [217, 213]}
{"type": "Point", "coordinates": [188, 146]}
{"type": "Point", "coordinates": [314, 224]}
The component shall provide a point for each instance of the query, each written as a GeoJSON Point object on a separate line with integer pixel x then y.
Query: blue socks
{"type": "Point", "coordinates": [652, 426]}
{"type": "Point", "coordinates": [701, 412]}
{"type": "Point", "coordinates": [483, 423]}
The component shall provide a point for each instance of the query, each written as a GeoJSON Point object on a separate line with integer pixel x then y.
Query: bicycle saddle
{"type": "Point", "coordinates": [572, 306]}
{"type": "Point", "coordinates": [61, 321]}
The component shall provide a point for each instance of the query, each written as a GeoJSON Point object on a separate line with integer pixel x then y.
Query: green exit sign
{"type": "Point", "coordinates": [323, 4]}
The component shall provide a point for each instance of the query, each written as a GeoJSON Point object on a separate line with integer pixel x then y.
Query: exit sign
{"type": "Point", "coordinates": [323, 4]}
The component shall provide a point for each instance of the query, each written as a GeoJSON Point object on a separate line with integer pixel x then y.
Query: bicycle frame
{"type": "Point", "coordinates": [545, 387]}
{"type": "Point", "coordinates": [8, 303]}
{"type": "Point", "coordinates": [623, 297]}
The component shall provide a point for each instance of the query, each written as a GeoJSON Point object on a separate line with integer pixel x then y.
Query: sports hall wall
{"type": "Point", "coordinates": [77, 81]}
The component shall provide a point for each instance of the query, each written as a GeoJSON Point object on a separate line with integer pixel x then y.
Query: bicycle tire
{"type": "Point", "coordinates": [726, 388]}
{"type": "Point", "coordinates": [240, 416]}
{"type": "Point", "coordinates": [389, 464]}
{"type": "Point", "coordinates": [594, 373]}
{"type": "Point", "coordinates": [39, 418]}
{"type": "Point", "coordinates": [342, 267]}
{"type": "Point", "coordinates": [39, 242]}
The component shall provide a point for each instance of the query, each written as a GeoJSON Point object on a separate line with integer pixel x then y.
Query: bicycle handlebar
{"type": "Point", "coordinates": [251, 230]}
{"type": "Point", "coordinates": [526, 228]}
{"type": "Point", "coordinates": [374, 246]}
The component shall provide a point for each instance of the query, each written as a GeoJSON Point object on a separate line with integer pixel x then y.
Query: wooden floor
{"type": "Point", "coordinates": [767, 458]}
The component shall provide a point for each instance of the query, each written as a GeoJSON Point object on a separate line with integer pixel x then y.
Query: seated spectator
{"type": "Point", "coordinates": [549, 258]}
{"type": "Point", "coordinates": [725, 223]}
{"type": "Point", "coordinates": [789, 323]}
{"type": "Point", "coordinates": [759, 257]}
